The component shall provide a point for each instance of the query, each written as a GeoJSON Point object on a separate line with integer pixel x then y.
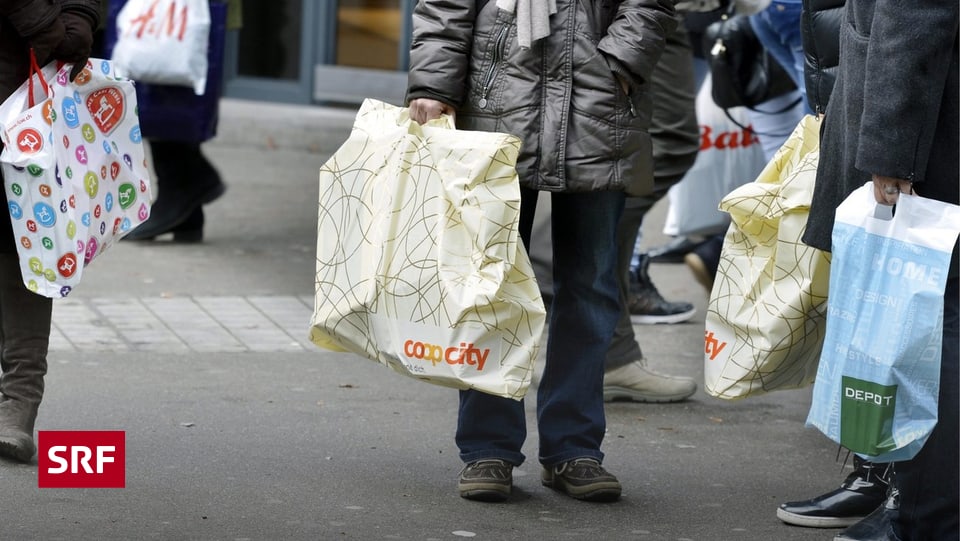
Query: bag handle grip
{"type": "Point", "coordinates": [35, 70]}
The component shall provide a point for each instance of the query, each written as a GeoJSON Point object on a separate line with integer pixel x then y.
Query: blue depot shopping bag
{"type": "Point", "coordinates": [879, 374]}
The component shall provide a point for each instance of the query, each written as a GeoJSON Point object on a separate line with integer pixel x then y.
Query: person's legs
{"type": "Point", "coordinates": [491, 429]}
{"type": "Point", "coordinates": [186, 180]}
{"type": "Point", "coordinates": [626, 376]}
{"type": "Point", "coordinates": [585, 310]}
{"type": "Point", "coordinates": [24, 338]}
{"type": "Point", "coordinates": [930, 483]}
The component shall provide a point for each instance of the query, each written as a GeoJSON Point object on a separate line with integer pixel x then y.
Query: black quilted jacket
{"type": "Point", "coordinates": [820, 28]}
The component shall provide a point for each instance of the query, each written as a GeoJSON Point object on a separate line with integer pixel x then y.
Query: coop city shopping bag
{"type": "Point", "coordinates": [879, 376]}
{"type": "Point", "coordinates": [419, 262]}
{"type": "Point", "coordinates": [766, 316]}
{"type": "Point", "coordinates": [74, 171]}
{"type": "Point", "coordinates": [164, 42]}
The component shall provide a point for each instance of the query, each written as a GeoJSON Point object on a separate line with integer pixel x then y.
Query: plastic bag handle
{"type": "Point", "coordinates": [35, 70]}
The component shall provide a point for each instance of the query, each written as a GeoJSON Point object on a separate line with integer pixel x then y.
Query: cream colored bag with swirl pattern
{"type": "Point", "coordinates": [766, 321]}
{"type": "Point", "coordinates": [420, 265]}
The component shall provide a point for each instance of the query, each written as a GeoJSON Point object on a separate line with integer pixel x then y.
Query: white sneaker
{"type": "Point", "coordinates": [639, 383]}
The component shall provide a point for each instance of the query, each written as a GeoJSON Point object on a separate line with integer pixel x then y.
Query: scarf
{"type": "Point", "coordinates": [533, 18]}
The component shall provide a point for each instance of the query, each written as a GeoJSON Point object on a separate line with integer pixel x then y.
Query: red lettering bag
{"type": "Point", "coordinates": [164, 42]}
{"type": "Point", "coordinates": [729, 157]}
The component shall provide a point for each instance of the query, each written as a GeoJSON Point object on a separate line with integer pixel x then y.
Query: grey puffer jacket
{"type": "Point", "coordinates": [561, 96]}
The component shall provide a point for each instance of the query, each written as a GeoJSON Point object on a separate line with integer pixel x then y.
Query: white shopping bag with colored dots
{"type": "Point", "coordinates": [74, 172]}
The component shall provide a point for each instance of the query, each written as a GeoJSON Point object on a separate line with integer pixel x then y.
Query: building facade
{"type": "Point", "coordinates": [324, 52]}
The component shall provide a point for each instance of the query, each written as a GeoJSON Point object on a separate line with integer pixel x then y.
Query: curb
{"type": "Point", "coordinates": [272, 126]}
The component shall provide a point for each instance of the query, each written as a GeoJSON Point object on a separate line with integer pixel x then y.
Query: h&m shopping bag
{"type": "Point", "coordinates": [420, 265]}
{"type": "Point", "coordinates": [175, 112]}
{"type": "Point", "coordinates": [74, 171]}
{"type": "Point", "coordinates": [878, 381]}
{"type": "Point", "coordinates": [766, 318]}
{"type": "Point", "coordinates": [164, 42]}
{"type": "Point", "coordinates": [729, 156]}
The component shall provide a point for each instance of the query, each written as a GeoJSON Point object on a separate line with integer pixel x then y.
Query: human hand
{"type": "Point", "coordinates": [887, 190]}
{"type": "Point", "coordinates": [77, 43]}
{"type": "Point", "coordinates": [44, 41]}
{"type": "Point", "coordinates": [423, 110]}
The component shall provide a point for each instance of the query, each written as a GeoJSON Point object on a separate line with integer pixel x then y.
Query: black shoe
{"type": "Point", "coordinates": [860, 493]}
{"type": "Point", "coordinates": [704, 260]}
{"type": "Point", "coordinates": [583, 479]}
{"type": "Point", "coordinates": [488, 480]}
{"type": "Point", "coordinates": [186, 180]}
{"type": "Point", "coordinates": [673, 251]}
{"type": "Point", "coordinates": [189, 231]}
{"type": "Point", "coordinates": [647, 306]}
{"type": "Point", "coordinates": [878, 525]}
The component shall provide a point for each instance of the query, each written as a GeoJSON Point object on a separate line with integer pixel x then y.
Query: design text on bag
{"type": "Point", "coordinates": [465, 354]}
{"type": "Point", "coordinates": [712, 345]}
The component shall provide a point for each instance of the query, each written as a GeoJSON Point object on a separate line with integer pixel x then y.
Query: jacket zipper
{"type": "Point", "coordinates": [497, 56]}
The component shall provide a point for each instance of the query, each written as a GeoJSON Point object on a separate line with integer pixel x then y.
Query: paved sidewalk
{"type": "Point", "coordinates": [182, 324]}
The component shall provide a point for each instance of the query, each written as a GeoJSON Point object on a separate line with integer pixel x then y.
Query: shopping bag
{"type": "Point", "coordinates": [74, 171]}
{"type": "Point", "coordinates": [164, 42]}
{"type": "Point", "coordinates": [766, 317]}
{"type": "Point", "coordinates": [878, 382]}
{"type": "Point", "coordinates": [420, 265]}
{"type": "Point", "coordinates": [729, 157]}
{"type": "Point", "coordinates": [176, 113]}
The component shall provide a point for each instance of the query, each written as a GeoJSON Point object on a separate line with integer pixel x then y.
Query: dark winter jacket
{"type": "Point", "coordinates": [894, 108]}
{"type": "Point", "coordinates": [20, 18]}
{"type": "Point", "coordinates": [580, 132]}
{"type": "Point", "coordinates": [820, 29]}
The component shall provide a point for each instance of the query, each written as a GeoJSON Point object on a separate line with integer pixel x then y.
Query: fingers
{"type": "Point", "coordinates": [423, 110]}
{"type": "Point", "coordinates": [77, 69]}
{"type": "Point", "coordinates": [887, 190]}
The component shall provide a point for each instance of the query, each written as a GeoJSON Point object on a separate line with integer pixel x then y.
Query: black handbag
{"type": "Point", "coordinates": [743, 72]}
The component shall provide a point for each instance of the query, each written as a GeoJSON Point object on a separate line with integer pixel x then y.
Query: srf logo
{"type": "Point", "coordinates": [81, 459]}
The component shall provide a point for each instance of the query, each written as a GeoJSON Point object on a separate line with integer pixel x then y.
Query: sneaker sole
{"type": "Point", "coordinates": [669, 319]}
{"type": "Point", "coordinates": [484, 495]}
{"type": "Point", "coordinates": [613, 394]}
{"type": "Point", "coordinates": [598, 492]}
{"type": "Point", "coordinates": [816, 522]}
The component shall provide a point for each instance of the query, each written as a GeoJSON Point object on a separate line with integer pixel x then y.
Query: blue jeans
{"type": "Point", "coordinates": [930, 483]}
{"type": "Point", "coordinates": [583, 315]}
{"type": "Point", "coordinates": [778, 29]}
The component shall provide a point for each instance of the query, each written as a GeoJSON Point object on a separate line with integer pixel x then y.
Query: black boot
{"type": "Point", "coordinates": [24, 337]}
{"type": "Point", "coordinates": [860, 493]}
{"type": "Point", "coordinates": [878, 525]}
{"type": "Point", "coordinates": [186, 180]}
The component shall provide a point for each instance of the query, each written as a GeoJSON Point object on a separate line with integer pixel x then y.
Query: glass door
{"type": "Point", "coordinates": [366, 50]}
{"type": "Point", "coordinates": [271, 57]}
